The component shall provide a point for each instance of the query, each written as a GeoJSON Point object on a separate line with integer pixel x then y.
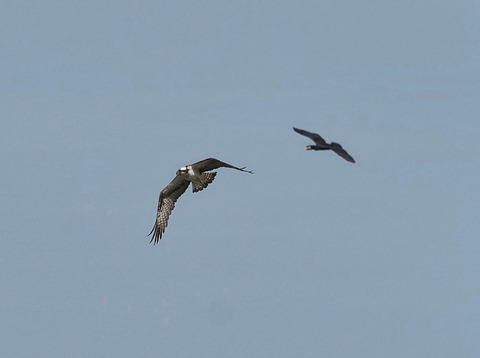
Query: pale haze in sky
{"type": "Point", "coordinates": [312, 256]}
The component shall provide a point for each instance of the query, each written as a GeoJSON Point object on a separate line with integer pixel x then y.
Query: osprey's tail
{"type": "Point", "coordinates": [207, 178]}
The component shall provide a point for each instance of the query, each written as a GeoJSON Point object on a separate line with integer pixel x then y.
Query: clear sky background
{"type": "Point", "coordinates": [101, 103]}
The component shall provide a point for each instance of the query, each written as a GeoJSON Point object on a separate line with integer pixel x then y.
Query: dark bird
{"type": "Point", "coordinates": [194, 173]}
{"type": "Point", "coordinates": [321, 144]}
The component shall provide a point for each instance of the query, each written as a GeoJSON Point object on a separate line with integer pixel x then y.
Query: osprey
{"type": "Point", "coordinates": [194, 173]}
{"type": "Point", "coordinates": [321, 144]}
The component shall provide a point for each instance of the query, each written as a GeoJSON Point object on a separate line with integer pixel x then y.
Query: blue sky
{"type": "Point", "coordinates": [312, 256]}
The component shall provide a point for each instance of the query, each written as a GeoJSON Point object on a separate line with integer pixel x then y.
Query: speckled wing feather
{"type": "Point", "coordinates": [313, 136]}
{"type": "Point", "coordinates": [166, 203]}
{"type": "Point", "coordinates": [212, 163]}
{"type": "Point", "coordinates": [207, 178]}
{"type": "Point", "coordinates": [337, 148]}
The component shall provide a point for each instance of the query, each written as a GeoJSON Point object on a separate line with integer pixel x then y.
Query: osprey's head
{"type": "Point", "coordinates": [182, 171]}
{"type": "Point", "coordinates": [309, 147]}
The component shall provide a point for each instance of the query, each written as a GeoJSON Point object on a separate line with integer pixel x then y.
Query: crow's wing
{"type": "Point", "coordinates": [337, 148]}
{"type": "Point", "coordinates": [313, 136]}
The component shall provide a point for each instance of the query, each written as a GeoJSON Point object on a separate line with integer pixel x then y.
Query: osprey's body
{"type": "Point", "coordinates": [199, 180]}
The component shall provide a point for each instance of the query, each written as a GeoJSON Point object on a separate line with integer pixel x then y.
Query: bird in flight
{"type": "Point", "coordinates": [198, 175]}
{"type": "Point", "coordinates": [321, 144]}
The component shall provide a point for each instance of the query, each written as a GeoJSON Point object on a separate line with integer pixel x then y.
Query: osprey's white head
{"type": "Point", "coordinates": [182, 170]}
{"type": "Point", "coordinates": [187, 172]}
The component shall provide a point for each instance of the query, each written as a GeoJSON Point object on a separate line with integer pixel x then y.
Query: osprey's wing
{"type": "Point", "coordinates": [313, 136]}
{"type": "Point", "coordinates": [212, 163]}
{"type": "Point", "coordinates": [166, 203]}
{"type": "Point", "coordinates": [337, 148]}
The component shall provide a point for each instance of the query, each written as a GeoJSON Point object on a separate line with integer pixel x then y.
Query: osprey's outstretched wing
{"type": "Point", "coordinates": [166, 203]}
{"type": "Point", "coordinates": [337, 148]}
{"type": "Point", "coordinates": [313, 136]}
{"type": "Point", "coordinates": [212, 163]}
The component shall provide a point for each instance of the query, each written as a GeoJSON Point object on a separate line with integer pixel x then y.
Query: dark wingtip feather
{"type": "Point", "coordinates": [156, 235]}
{"type": "Point", "coordinates": [246, 171]}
